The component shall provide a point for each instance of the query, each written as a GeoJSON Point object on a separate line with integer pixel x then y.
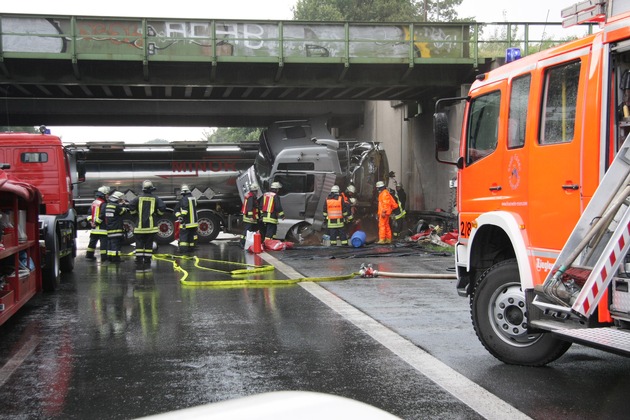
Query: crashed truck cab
{"type": "Point", "coordinates": [303, 156]}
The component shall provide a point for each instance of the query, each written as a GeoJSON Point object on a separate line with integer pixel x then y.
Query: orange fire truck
{"type": "Point", "coordinates": [543, 181]}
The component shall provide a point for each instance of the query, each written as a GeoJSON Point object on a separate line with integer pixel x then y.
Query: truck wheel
{"type": "Point", "coordinates": [66, 265]}
{"type": "Point", "coordinates": [499, 316]}
{"type": "Point", "coordinates": [209, 227]}
{"type": "Point", "coordinates": [302, 233]}
{"type": "Point", "coordinates": [166, 229]}
{"type": "Point", "coordinates": [128, 226]}
{"type": "Point", "coordinates": [51, 275]}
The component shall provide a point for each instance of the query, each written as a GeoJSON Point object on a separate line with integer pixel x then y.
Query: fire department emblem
{"type": "Point", "coordinates": [514, 172]}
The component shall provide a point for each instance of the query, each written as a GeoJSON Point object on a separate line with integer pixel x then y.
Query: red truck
{"type": "Point", "coordinates": [20, 269]}
{"type": "Point", "coordinates": [42, 161]}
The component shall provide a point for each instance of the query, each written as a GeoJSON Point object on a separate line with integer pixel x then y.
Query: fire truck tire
{"type": "Point", "coordinates": [209, 226]}
{"type": "Point", "coordinates": [51, 275]}
{"type": "Point", "coordinates": [499, 315]}
{"type": "Point", "coordinates": [66, 264]}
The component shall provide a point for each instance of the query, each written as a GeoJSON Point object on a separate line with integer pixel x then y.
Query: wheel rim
{"type": "Point", "coordinates": [508, 316]}
{"type": "Point", "coordinates": [205, 228]}
{"type": "Point", "coordinates": [165, 228]}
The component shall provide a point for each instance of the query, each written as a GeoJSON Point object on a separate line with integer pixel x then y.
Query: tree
{"type": "Point", "coordinates": [376, 10]}
{"type": "Point", "coordinates": [234, 135]}
{"type": "Point", "coordinates": [20, 129]}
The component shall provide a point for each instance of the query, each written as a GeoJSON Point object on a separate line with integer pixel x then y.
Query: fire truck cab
{"type": "Point", "coordinates": [537, 137]}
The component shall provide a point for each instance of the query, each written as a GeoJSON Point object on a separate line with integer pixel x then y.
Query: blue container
{"type": "Point", "coordinates": [358, 239]}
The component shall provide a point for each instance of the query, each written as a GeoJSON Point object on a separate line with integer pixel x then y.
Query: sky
{"type": "Point", "coordinates": [482, 10]}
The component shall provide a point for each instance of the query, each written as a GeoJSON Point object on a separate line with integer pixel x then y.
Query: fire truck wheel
{"type": "Point", "coordinates": [499, 315]}
{"type": "Point", "coordinates": [209, 226]}
{"type": "Point", "coordinates": [51, 275]}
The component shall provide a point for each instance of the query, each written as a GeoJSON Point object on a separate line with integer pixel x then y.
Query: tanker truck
{"type": "Point", "coordinates": [300, 154]}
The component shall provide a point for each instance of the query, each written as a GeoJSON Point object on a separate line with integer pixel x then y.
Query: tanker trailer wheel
{"type": "Point", "coordinates": [499, 315]}
{"type": "Point", "coordinates": [128, 226]}
{"type": "Point", "coordinates": [166, 229]}
{"type": "Point", "coordinates": [209, 226]}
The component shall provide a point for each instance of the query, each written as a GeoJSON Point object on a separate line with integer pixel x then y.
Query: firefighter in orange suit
{"type": "Point", "coordinates": [250, 212]}
{"type": "Point", "coordinates": [336, 211]}
{"type": "Point", "coordinates": [386, 205]}
{"type": "Point", "coordinates": [271, 210]}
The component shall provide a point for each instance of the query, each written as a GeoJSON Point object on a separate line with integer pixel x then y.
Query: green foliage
{"type": "Point", "coordinates": [20, 129]}
{"type": "Point", "coordinates": [234, 134]}
{"type": "Point", "coordinates": [376, 10]}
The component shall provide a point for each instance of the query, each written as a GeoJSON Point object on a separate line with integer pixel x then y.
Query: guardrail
{"type": "Point", "coordinates": [149, 39]}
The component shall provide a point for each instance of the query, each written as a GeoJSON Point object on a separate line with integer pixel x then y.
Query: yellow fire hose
{"type": "Point", "coordinates": [251, 269]}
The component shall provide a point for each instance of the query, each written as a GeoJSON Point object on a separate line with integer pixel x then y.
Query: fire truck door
{"type": "Point", "coordinates": [555, 157]}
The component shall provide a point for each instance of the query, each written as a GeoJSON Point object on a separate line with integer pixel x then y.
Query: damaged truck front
{"type": "Point", "coordinates": [305, 158]}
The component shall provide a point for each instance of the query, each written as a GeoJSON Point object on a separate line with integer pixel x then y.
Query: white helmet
{"type": "Point", "coordinates": [353, 201]}
{"type": "Point", "coordinates": [102, 191]}
{"type": "Point", "coordinates": [253, 187]}
{"type": "Point", "coordinates": [147, 185]}
{"type": "Point", "coordinates": [116, 196]}
{"type": "Point", "coordinates": [335, 189]}
{"type": "Point", "coordinates": [351, 189]}
{"type": "Point", "coordinates": [380, 184]}
{"type": "Point", "coordinates": [276, 185]}
{"type": "Point", "coordinates": [184, 189]}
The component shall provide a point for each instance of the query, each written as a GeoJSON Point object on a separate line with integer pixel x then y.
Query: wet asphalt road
{"type": "Point", "coordinates": [116, 343]}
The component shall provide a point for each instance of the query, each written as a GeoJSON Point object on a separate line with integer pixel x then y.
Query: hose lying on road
{"type": "Point", "coordinates": [246, 270]}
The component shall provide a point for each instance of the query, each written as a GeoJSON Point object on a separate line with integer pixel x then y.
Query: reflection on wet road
{"type": "Point", "coordinates": [114, 342]}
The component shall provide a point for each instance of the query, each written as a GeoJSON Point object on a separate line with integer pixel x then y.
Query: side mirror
{"type": "Point", "coordinates": [440, 132]}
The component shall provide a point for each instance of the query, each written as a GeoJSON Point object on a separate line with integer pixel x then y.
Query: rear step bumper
{"type": "Point", "coordinates": [609, 339]}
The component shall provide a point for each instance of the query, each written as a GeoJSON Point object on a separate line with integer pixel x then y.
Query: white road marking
{"type": "Point", "coordinates": [16, 361]}
{"type": "Point", "coordinates": [477, 398]}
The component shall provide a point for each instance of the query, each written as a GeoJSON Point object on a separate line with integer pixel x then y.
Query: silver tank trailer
{"type": "Point", "coordinates": [209, 171]}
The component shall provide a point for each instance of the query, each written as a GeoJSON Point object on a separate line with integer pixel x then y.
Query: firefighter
{"type": "Point", "coordinates": [386, 205]}
{"type": "Point", "coordinates": [336, 211]}
{"type": "Point", "coordinates": [348, 198]}
{"type": "Point", "coordinates": [250, 212]}
{"type": "Point", "coordinates": [400, 196]}
{"type": "Point", "coordinates": [97, 222]}
{"type": "Point", "coordinates": [114, 211]}
{"type": "Point", "coordinates": [271, 210]}
{"type": "Point", "coordinates": [147, 207]}
{"type": "Point", "coordinates": [186, 213]}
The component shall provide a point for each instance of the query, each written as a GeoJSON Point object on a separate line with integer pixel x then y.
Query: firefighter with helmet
{"type": "Point", "coordinates": [186, 213]}
{"type": "Point", "coordinates": [114, 212]}
{"type": "Point", "coordinates": [386, 205]}
{"type": "Point", "coordinates": [271, 210]}
{"type": "Point", "coordinates": [147, 207]}
{"type": "Point", "coordinates": [399, 214]}
{"type": "Point", "coordinates": [96, 219]}
{"type": "Point", "coordinates": [336, 211]}
{"type": "Point", "coordinates": [250, 212]}
{"type": "Point", "coordinates": [348, 198]}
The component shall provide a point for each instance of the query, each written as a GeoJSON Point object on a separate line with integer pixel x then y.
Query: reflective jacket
{"type": "Point", "coordinates": [250, 208]}
{"type": "Point", "coordinates": [399, 212]}
{"type": "Point", "coordinates": [271, 208]}
{"type": "Point", "coordinates": [335, 211]}
{"type": "Point", "coordinates": [114, 219]}
{"type": "Point", "coordinates": [187, 210]}
{"type": "Point", "coordinates": [97, 216]}
{"type": "Point", "coordinates": [386, 203]}
{"type": "Point", "coordinates": [147, 206]}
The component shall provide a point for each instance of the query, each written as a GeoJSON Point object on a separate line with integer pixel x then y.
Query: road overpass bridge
{"type": "Point", "coordinates": [112, 71]}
